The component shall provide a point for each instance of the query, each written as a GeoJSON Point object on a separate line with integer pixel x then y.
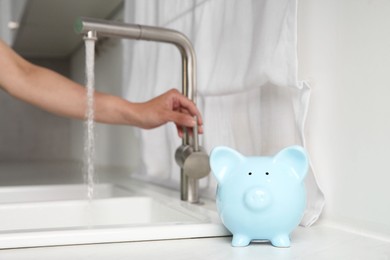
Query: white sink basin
{"type": "Point", "coordinates": [81, 214]}
{"type": "Point", "coordinates": [58, 215]}
{"type": "Point", "coordinates": [59, 192]}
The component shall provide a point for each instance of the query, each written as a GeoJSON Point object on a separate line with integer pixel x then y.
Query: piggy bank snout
{"type": "Point", "coordinates": [257, 198]}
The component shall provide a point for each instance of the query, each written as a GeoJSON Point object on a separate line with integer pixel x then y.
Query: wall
{"type": "Point", "coordinates": [344, 50]}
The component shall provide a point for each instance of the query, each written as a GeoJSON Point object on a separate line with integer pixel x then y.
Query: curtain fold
{"type": "Point", "coordinates": [248, 91]}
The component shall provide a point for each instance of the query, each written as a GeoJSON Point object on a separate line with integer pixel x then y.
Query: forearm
{"type": "Point", "coordinates": [54, 93]}
{"type": "Point", "coordinates": [115, 110]}
{"type": "Point", "coordinates": [50, 91]}
{"type": "Point", "coordinates": [58, 95]}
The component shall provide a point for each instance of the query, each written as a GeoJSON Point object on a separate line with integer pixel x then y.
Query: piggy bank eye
{"type": "Point", "coordinates": [267, 173]}
{"type": "Point", "coordinates": [250, 173]}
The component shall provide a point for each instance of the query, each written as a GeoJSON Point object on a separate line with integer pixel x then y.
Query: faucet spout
{"type": "Point", "coordinates": [190, 144]}
{"type": "Point", "coordinates": [149, 33]}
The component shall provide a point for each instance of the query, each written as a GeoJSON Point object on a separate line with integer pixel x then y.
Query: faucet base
{"type": "Point", "coordinates": [189, 188]}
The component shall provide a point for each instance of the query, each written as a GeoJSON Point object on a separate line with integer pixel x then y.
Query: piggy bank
{"type": "Point", "coordinates": [260, 198]}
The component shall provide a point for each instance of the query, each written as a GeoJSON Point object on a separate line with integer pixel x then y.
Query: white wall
{"type": "Point", "coordinates": [344, 50]}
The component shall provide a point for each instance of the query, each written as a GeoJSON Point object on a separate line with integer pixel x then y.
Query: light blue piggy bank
{"type": "Point", "coordinates": [260, 198]}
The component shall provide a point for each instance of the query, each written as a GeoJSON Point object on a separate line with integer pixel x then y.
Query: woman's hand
{"type": "Point", "coordinates": [171, 106]}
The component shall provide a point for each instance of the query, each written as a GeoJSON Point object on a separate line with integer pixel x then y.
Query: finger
{"type": "Point", "coordinates": [200, 129]}
{"type": "Point", "coordinates": [185, 111]}
{"type": "Point", "coordinates": [190, 107]}
{"type": "Point", "coordinates": [190, 131]}
{"type": "Point", "coordinates": [180, 131]}
{"type": "Point", "coordinates": [182, 119]}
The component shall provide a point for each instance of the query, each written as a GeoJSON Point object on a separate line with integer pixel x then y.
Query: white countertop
{"type": "Point", "coordinates": [318, 242]}
{"type": "Point", "coordinates": [321, 241]}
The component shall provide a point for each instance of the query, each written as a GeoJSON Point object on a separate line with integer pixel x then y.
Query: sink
{"type": "Point", "coordinates": [97, 213]}
{"type": "Point", "coordinates": [59, 192]}
{"type": "Point", "coordinates": [32, 216]}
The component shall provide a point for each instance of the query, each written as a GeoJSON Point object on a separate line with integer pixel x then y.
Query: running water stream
{"type": "Point", "coordinates": [89, 133]}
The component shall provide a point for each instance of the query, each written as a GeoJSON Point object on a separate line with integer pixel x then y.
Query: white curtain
{"type": "Point", "coordinates": [248, 91]}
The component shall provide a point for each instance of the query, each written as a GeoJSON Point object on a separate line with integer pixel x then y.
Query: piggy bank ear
{"type": "Point", "coordinates": [222, 160]}
{"type": "Point", "coordinates": [296, 157]}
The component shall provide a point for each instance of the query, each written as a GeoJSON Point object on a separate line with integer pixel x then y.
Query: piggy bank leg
{"type": "Point", "coordinates": [281, 241]}
{"type": "Point", "coordinates": [240, 240]}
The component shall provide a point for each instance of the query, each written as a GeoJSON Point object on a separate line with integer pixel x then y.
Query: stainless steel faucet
{"type": "Point", "coordinates": [190, 156]}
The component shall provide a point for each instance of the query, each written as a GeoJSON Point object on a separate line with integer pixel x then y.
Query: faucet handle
{"type": "Point", "coordinates": [195, 164]}
{"type": "Point", "coordinates": [181, 154]}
